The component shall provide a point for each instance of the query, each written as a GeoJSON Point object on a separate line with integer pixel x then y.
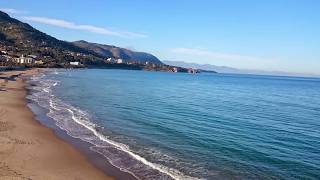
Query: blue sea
{"type": "Point", "coordinates": [157, 125]}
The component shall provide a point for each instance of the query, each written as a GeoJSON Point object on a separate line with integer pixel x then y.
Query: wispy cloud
{"type": "Point", "coordinates": [83, 27]}
{"type": "Point", "coordinates": [11, 11]}
{"type": "Point", "coordinates": [215, 55]}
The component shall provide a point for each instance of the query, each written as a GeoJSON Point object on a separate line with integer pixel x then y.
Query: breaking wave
{"type": "Point", "coordinates": [76, 123]}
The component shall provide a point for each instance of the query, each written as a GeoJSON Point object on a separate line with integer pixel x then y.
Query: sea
{"type": "Point", "coordinates": [159, 125]}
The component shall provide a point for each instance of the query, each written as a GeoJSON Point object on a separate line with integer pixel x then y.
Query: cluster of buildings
{"type": "Point", "coordinates": [76, 54]}
{"type": "Point", "coordinates": [10, 58]}
{"type": "Point", "coordinates": [28, 59]}
{"type": "Point", "coordinates": [120, 61]}
{"type": "Point", "coordinates": [114, 60]}
{"type": "Point", "coordinates": [193, 71]}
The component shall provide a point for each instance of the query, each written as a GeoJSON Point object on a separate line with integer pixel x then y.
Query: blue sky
{"type": "Point", "coordinates": [273, 35]}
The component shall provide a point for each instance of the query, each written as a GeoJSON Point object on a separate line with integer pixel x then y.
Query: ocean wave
{"type": "Point", "coordinates": [81, 127]}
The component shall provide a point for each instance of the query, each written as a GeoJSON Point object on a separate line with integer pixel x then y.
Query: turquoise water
{"type": "Point", "coordinates": [181, 126]}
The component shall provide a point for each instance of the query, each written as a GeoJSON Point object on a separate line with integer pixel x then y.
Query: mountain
{"type": "Point", "coordinates": [23, 36]}
{"type": "Point", "coordinates": [117, 52]}
{"type": "Point", "coordinates": [208, 67]}
{"type": "Point", "coordinates": [231, 70]}
{"type": "Point", "coordinates": [20, 38]}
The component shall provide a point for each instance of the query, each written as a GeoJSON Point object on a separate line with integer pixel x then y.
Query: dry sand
{"type": "Point", "coordinates": [29, 150]}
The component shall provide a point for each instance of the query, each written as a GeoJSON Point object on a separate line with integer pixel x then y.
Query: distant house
{"type": "Point", "coordinates": [32, 56]}
{"type": "Point", "coordinates": [175, 69]}
{"type": "Point", "coordinates": [17, 60]}
{"type": "Point", "coordinates": [119, 61]}
{"type": "Point", "coordinates": [29, 60]}
{"type": "Point", "coordinates": [75, 63]}
{"type": "Point", "coordinates": [39, 62]}
{"type": "Point", "coordinates": [25, 60]}
{"type": "Point", "coordinates": [111, 60]}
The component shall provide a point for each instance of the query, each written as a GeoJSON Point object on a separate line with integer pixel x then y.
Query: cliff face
{"type": "Point", "coordinates": [117, 52]}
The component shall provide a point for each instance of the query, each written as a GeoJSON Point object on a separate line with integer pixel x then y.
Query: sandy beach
{"type": "Point", "coordinates": [29, 150]}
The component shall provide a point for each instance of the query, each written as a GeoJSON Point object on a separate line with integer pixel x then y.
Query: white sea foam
{"type": "Point", "coordinates": [171, 172]}
{"type": "Point", "coordinates": [59, 110]}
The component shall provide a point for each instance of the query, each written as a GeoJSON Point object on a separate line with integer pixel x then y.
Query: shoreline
{"type": "Point", "coordinates": [77, 127]}
{"type": "Point", "coordinates": [30, 150]}
{"type": "Point", "coordinates": [95, 158]}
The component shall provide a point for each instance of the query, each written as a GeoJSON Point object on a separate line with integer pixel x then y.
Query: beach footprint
{"type": "Point", "coordinates": [7, 172]}
{"type": "Point", "coordinates": [2, 112]}
{"type": "Point", "coordinates": [5, 126]}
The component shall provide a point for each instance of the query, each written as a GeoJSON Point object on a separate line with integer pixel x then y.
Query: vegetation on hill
{"type": "Point", "coordinates": [117, 52]}
{"type": "Point", "coordinates": [18, 39]}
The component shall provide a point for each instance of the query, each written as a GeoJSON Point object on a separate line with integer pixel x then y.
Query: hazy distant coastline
{"type": "Point", "coordinates": [231, 70]}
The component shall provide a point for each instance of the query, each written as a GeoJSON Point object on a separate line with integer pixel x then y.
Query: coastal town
{"type": "Point", "coordinates": [22, 46]}
{"type": "Point", "coordinates": [10, 58]}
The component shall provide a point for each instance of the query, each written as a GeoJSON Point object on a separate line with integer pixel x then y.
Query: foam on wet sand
{"type": "Point", "coordinates": [29, 150]}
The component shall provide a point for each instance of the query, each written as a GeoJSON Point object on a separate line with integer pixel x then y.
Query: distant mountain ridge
{"type": "Point", "coordinates": [16, 33]}
{"type": "Point", "coordinates": [22, 38]}
{"type": "Point", "coordinates": [208, 67]}
{"type": "Point", "coordinates": [231, 70]}
{"type": "Point", "coordinates": [117, 52]}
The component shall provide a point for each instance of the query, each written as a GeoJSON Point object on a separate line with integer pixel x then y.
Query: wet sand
{"type": "Point", "coordinates": [29, 150]}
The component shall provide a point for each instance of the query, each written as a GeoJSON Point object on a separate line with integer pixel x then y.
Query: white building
{"type": "Point", "coordinates": [29, 60]}
{"type": "Point", "coordinates": [32, 56]}
{"type": "Point", "coordinates": [119, 61]}
{"type": "Point", "coordinates": [39, 62]}
{"type": "Point", "coordinates": [175, 69]}
{"type": "Point", "coordinates": [75, 63]}
{"type": "Point", "coordinates": [25, 60]}
{"type": "Point", "coordinates": [111, 60]}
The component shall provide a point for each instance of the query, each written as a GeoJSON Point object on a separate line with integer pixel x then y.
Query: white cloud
{"type": "Point", "coordinates": [11, 11]}
{"type": "Point", "coordinates": [216, 55]}
{"type": "Point", "coordinates": [84, 27]}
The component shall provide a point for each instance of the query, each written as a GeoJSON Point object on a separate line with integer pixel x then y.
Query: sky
{"type": "Point", "coordinates": [271, 35]}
